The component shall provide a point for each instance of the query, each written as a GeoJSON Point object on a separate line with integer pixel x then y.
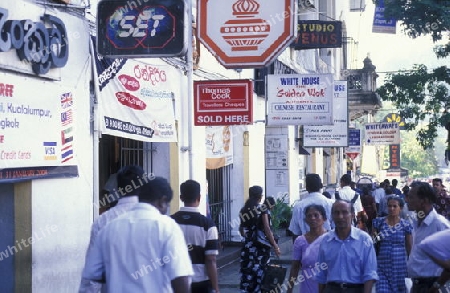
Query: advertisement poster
{"type": "Point", "coordinates": [37, 132]}
{"type": "Point", "coordinates": [335, 135]}
{"type": "Point", "coordinates": [305, 99]}
{"type": "Point", "coordinates": [136, 100]}
{"type": "Point", "coordinates": [382, 133]}
{"type": "Point", "coordinates": [219, 146]}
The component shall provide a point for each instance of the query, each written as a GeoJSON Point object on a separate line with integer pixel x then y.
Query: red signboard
{"type": "Point", "coordinates": [246, 33]}
{"type": "Point", "coordinates": [223, 102]}
{"type": "Point", "coordinates": [352, 156]}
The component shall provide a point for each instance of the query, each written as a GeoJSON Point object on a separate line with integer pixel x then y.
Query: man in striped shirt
{"type": "Point", "coordinates": [201, 237]}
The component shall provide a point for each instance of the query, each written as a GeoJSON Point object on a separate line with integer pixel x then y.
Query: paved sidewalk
{"type": "Point", "coordinates": [229, 276]}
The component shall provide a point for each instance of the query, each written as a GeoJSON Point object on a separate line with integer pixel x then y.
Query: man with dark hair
{"type": "Point", "coordinates": [421, 269]}
{"type": "Point", "coordinates": [442, 204]}
{"type": "Point", "coordinates": [201, 237]}
{"type": "Point", "coordinates": [314, 185]}
{"type": "Point", "coordinates": [129, 180]}
{"type": "Point", "coordinates": [144, 250]}
{"type": "Point", "coordinates": [346, 255]}
{"type": "Point", "coordinates": [347, 193]}
{"type": "Point", "coordinates": [395, 189]}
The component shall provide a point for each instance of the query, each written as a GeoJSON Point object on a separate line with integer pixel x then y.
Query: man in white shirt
{"type": "Point", "coordinates": [129, 180]}
{"type": "Point", "coordinates": [144, 250]}
{"type": "Point", "coordinates": [313, 184]}
{"type": "Point", "coordinates": [348, 194]}
{"type": "Point", "coordinates": [378, 194]}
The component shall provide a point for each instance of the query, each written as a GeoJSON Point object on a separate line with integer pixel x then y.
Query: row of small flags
{"type": "Point", "coordinates": [67, 125]}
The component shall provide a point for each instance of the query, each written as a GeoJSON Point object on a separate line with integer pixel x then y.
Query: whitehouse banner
{"type": "Point", "coordinates": [37, 128]}
{"type": "Point", "coordinates": [335, 135]}
{"type": "Point", "coordinates": [380, 23]}
{"type": "Point", "coordinates": [382, 133]}
{"type": "Point", "coordinates": [305, 99]}
{"type": "Point", "coordinates": [136, 100]}
{"type": "Point", "coordinates": [219, 146]}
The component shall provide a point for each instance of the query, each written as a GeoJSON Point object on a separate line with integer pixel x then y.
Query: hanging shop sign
{"type": "Point", "coordinates": [246, 33]}
{"type": "Point", "coordinates": [43, 44]}
{"type": "Point", "coordinates": [382, 133]}
{"type": "Point", "coordinates": [305, 99]}
{"type": "Point", "coordinates": [223, 102]}
{"type": "Point", "coordinates": [354, 143]}
{"type": "Point", "coordinates": [151, 28]}
{"type": "Point", "coordinates": [26, 151]}
{"type": "Point", "coordinates": [380, 23]}
{"type": "Point", "coordinates": [335, 135]}
{"type": "Point", "coordinates": [136, 99]}
{"type": "Point", "coordinates": [318, 34]}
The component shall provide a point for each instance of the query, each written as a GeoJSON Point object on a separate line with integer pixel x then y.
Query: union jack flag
{"type": "Point", "coordinates": [66, 100]}
{"type": "Point", "coordinates": [66, 117]}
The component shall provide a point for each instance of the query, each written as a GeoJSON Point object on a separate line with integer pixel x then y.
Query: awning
{"type": "Point", "coordinates": [303, 151]}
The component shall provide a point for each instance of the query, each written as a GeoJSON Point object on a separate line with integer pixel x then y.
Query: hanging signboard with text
{"type": "Point", "coordinates": [219, 146]}
{"type": "Point", "coordinates": [380, 23]}
{"type": "Point", "coordinates": [335, 135]}
{"type": "Point", "coordinates": [354, 143]}
{"type": "Point", "coordinates": [246, 34]}
{"type": "Point", "coordinates": [305, 99]}
{"type": "Point", "coordinates": [223, 102]}
{"type": "Point", "coordinates": [150, 28]}
{"type": "Point", "coordinates": [136, 101]}
{"type": "Point", "coordinates": [37, 129]}
{"type": "Point", "coordinates": [313, 34]}
{"type": "Point", "coordinates": [382, 133]}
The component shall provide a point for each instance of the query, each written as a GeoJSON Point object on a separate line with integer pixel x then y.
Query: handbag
{"type": "Point", "coordinates": [261, 238]}
{"type": "Point", "coordinates": [274, 276]}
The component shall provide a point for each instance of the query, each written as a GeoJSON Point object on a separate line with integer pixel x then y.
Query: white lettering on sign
{"type": "Point", "coordinates": [236, 118]}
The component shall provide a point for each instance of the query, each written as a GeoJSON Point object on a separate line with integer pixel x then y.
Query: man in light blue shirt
{"type": "Point", "coordinates": [313, 184]}
{"type": "Point", "coordinates": [347, 257]}
{"type": "Point", "coordinates": [421, 269]}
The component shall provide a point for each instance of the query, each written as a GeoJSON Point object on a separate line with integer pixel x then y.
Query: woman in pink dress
{"type": "Point", "coordinates": [306, 250]}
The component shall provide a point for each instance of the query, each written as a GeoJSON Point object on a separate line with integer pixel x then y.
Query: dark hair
{"type": "Point", "coordinates": [405, 190]}
{"type": "Point", "coordinates": [269, 202]}
{"type": "Point", "coordinates": [131, 177]}
{"type": "Point", "coordinates": [400, 201]}
{"type": "Point", "coordinates": [365, 191]}
{"type": "Point", "coordinates": [389, 190]}
{"type": "Point", "coordinates": [424, 191]}
{"type": "Point", "coordinates": [327, 194]}
{"type": "Point", "coordinates": [346, 179]}
{"type": "Point", "coordinates": [190, 191]}
{"type": "Point", "coordinates": [394, 182]}
{"type": "Point", "coordinates": [255, 191]}
{"type": "Point", "coordinates": [255, 195]}
{"type": "Point", "coordinates": [352, 207]}
{"type": "Point", "coordinates": [313, 182]}
{"type": "Point", "coordinates": [317, 207]}
{"type": "Point", "coordinates": [155, 188]}
{"type": "Point", "coordinates": [437, 180]}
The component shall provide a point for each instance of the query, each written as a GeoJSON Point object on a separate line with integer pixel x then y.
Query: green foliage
{"type": "Point", "coordinates": [281, 213]}
{"type": "Point", "coordinates": [420, 97]}
{"type": "Point", "coordinates": [419, 163]}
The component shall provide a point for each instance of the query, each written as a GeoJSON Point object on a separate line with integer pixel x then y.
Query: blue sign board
{"type": "Point", "coordinates": [354, 137]}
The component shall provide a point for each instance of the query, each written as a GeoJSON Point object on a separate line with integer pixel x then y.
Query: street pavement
{"type": "Point", "coordinates": [228, 271]}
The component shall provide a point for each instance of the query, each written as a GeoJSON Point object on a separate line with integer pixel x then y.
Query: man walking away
{"type": "Point", "coordinates": [143, 250]}
{"type": "Point", "coordinates": [201, 237]}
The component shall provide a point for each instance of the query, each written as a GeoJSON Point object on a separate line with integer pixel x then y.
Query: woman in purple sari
{"type": "Point", "coordinates": [306, 250]}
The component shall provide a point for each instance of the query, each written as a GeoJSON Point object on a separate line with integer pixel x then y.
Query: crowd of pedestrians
{"type": "Point", "coordinates": [349, 241]}
{"type": "Point", "coordinates": [383, 237]}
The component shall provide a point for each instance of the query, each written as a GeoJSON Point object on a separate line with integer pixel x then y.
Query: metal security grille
{"type": "Point", "coordinates": [219, 197]}
{"type": "Point", "coordinates": [131, 152]}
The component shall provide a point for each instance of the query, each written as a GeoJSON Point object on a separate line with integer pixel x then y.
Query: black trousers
{"type": "Point", "coordinates": [337, 289]}
{"type": "Point", "coordinates": [201, 287]}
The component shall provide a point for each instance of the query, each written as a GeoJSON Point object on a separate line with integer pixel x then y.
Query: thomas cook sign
{"type": "Point", "coordinates": [246, 33]}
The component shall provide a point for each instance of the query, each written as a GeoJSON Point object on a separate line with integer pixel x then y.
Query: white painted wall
{"type": "Point", "coordinates": [62, 208]}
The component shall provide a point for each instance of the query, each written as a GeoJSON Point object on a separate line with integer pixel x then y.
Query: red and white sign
{"type": "Point", "coordinates": [246, 33]}
{"type": "Point", "coordinates": [352, 155]}
{"type": "Point", "coordinates": [223, 102]}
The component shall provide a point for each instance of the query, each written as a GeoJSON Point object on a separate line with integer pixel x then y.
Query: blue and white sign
{"type": "Point", "coordinates": [354, 142]}
{"type": "Point", "coordinates": [380, 23]}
